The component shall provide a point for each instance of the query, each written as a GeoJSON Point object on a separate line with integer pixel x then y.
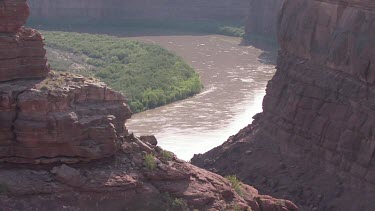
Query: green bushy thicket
{"type": "Point", "coordinates": [228, 28]}
{"type": "Point", "coordinates": [148, 75]}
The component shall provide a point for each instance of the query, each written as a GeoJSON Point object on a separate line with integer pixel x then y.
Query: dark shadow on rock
{"type": "Point", "coordinates": [268, 46]}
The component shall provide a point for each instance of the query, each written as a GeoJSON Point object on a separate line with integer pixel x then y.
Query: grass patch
{"type": "Point", "coordinates": [179, 203]}
{"type": "Point", "coordinates": [175, 204]}
{"type": "Point", "coordinates": [148, 75]}
{"type": "Point", "coordinates": [166, 155]}
{"type": "Point", "coordinates": [149, 162]}
{"type": "Point", "coordinates": [235, 183]}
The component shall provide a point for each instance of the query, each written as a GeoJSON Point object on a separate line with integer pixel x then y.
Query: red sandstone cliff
{"type": "Point", "coordinates": [262, 19]}
{"type": "Point", "coordinates": [120, 10]}
{"type": "Point", "coordinates": [314, 141]}
{"type": "Point", "coordinates": [64, 145]}
{"type": "Point", "coordinates": [37, 112]}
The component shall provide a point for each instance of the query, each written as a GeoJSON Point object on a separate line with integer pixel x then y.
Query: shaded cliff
{"type": "Point", "coordinates": [64, 145]}
{"type": "Point", "coordinates": [261, 22]}
{"type": "Point", "coordinates": [74, 11]}
{"type": "Point", "coordinates": [315, 139]}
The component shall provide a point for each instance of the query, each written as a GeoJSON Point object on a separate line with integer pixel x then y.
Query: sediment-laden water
{"type": "Point", "coordinates": [234, 76]}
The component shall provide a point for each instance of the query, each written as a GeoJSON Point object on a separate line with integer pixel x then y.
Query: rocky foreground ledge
{"type": "Point", "coordinates": [140, 177]}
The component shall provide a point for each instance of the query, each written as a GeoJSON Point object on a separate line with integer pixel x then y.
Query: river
{"type": "Point", "coordinates": [234, 78]}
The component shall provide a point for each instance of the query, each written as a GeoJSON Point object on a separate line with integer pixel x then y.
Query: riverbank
{"type": "Point", "coordinates": [227, 28]}
{"type": "Point", "coordinates": [234, 77]}
{"type": "Point", "coordinates": [148, 75]}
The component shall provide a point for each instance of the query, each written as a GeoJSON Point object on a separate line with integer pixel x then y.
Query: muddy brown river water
{"type": "Point", "coordinates": [234, 77]}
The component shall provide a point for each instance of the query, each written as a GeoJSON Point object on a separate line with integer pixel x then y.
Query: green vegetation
{"type": "Point", "coordinates": [149, 162]}
{"type": "Point", "coordinates": [235, 183]}
{"type": "Point", "coordinates": [175, 203]}
{"type": "Point", "coordinates": [166, 155]}
{"type": "Point", "coordinates": [179, 204]}
{"type": "Point", "coordinates": [148, 75]}
{"type": "Point", "coordinates": [237, 208]}
{"type": "Point", "coordinates": [228, 28]}
{"type": "Point", "coordinates": [235, 31]}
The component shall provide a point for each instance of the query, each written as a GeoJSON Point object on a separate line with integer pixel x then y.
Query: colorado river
{"type": "Point", "coordinates": [234, 79]}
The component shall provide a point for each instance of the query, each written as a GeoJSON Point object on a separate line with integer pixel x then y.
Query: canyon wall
{"type": "Point", "coordinates": [262, 19]}
{"type": "Point", "coordinates": [315, 139]}
{"type": "Point", "coordinates": [124, 10]}
{"type": "Point", "coordinates": [64, 145]}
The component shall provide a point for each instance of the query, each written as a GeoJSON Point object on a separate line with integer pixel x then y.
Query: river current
{"type": "Point", "coordinates": [234, 77]}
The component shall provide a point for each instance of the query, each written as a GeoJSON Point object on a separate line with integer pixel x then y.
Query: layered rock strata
{"type": "Point", "coordinates": [76, 11]}
{"type": "Point", "coordinates": [64, 146]}
{"type": "Point", "coordinates": [128, 182]}
{"type": "Point", "coordinates": [63, 118]}
{"type": "Point", "coordinates": [314, 140]}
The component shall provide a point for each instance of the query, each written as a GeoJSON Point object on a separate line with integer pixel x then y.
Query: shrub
{"type": "Point", "coordinates": [166, 155]}
{"type": "Point", "coordinates": [232, 31]}
{"type": "Point", "coordinates": [175, 203]}
{"type": "Point", "coordinates": [179, 203]}
{"type": "Point", "coordinates": [235, 183]}
{"type": "Point", "coordinates": [149, 162]}
{"type": "Point", "coordinates": [148, 75]}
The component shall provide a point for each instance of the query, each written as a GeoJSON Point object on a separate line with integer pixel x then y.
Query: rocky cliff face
{"type": "Point", "coordinates": [58, 118]}
{"type": "Point", "coordinates": [315, 138]}
{"type": "Point", "coordinates": [120, 10]}
{"type": "Point", "coordinates": [21, 49]}
{"type": "Point", "coordinates": [64, 146]}
{"type": "Point", "coordinates": [262, 19]}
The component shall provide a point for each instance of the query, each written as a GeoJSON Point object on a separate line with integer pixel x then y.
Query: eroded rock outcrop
{"type": "Point", "coordinates": [315, 139]}
{"type": "Point", "coordinates": [127, 182]}
{"type": "Point", "coordinates": [21, 49]}
{"type": "Point", "coordinates": [60, 118]}
{"type": "Point", "coordinates": [64, 145]}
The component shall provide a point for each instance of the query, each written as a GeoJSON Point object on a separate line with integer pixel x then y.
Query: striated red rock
{"type": "Point", "coordinates": [61, 118]}
{"type": "Point", "coordinates": [22, 55]}
{"type": "Point", "coordinates": [13, 15]}
{"type": "Point", "coordinates": [21, 50]}
{"type": "Point", "coordinates": [120, 184]}
{"type": "Point", "coordinates": [314, 141]}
